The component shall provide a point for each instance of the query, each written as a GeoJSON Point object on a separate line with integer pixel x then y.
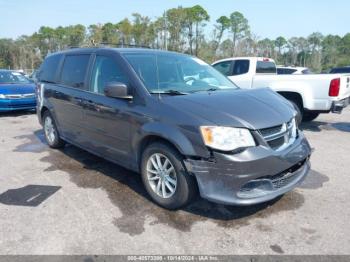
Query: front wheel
{"type": "Point", "coordinates": [51, 133]}
{"type": "Point", "coordinates": [165, 178]}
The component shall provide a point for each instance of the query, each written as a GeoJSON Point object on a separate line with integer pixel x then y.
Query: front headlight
{"type": "Point", "coordinates": [226, 138]}
{"type": "Point", "coordinates": [2, 96]}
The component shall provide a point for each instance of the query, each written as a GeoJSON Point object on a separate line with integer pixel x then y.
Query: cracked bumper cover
{"type": "Point", "coordinates": [255, 175]}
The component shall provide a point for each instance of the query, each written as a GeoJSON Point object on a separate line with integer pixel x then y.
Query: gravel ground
{"type": "Point", "coordinates": [71, 202]}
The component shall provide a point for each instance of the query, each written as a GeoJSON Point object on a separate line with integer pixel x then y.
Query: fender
{"type": "Point", "coordinates": [298, 87]}
{"type": "Point", "coordinates": [170, 133]}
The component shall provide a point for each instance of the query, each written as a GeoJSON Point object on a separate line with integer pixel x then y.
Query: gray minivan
{"type": "Point", "coordinates": [176, 120]}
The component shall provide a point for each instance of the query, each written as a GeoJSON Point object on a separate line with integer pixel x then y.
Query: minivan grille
{"type": "Point", "coordinates": [278, 137]}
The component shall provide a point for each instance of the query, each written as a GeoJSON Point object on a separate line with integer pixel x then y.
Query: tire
{"type": "Point", "coordinates": [185, 188]}
{"type": "Point", "coordinates": [309, 116]}
{"type": "Point", "coordinates": [52, 136]}
{"type": "Point", "coordinates": [297, 106]}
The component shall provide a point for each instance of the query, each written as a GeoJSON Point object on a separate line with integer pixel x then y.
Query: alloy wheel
{"type": "Point", "coordinates": [50, 131]}
{"type": "Point", "coordinates": [161, 175]}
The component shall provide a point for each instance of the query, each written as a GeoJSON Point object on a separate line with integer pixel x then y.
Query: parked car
{"type": "Point", "coordinates": [293, 70]}
{"type": "Point", "coordinates": [340, 70]}
{"type": "Point", "coordinates": [177, 121]}
{"type": "Point", "coordinates": [16, 92]}
{"type": "Point", "coordinates": [309, 94]}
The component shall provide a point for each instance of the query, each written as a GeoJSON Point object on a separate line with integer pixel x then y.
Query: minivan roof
{"type": "Point", "coordinates": [118, 50]}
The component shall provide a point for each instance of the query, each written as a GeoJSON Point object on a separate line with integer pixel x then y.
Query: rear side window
{"type": "Point", "coordinates": [240, 67]}
{"type": "Point", "coordinates": [265, 67]}
{"type": "Point", "coordinates": [74, 70]}
{"type": "Point", "coordinates": [48, 69]}
{"type": "Point", "coordinates": [224, 67]}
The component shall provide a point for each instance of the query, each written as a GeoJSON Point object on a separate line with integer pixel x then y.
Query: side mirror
{"type": "Point", "coordinates": [117, 90]}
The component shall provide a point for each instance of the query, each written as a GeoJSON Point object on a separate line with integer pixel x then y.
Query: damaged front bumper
{"type": "Point", "coordinates": [255, 175]}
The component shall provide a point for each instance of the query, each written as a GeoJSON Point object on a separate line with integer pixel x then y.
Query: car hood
{"type": "Point", "coordinates": [17, 89]}
{"type": "Point", "coordinates": [253, 109]}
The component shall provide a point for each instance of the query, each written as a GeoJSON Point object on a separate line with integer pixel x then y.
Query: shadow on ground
{"type": "Point", "coordinates": [318, 126]}
{"type": "Point", "coordinates": [30, 195]}
{"type": "Point", "coordinates": [17, 113]}
{"type": "Point", "coordinates": [125, 190]}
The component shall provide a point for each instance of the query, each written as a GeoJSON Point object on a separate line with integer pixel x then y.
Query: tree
{"type": "Point", "coordinates": [280, 43]}
{"type": "Point", "coordinates": [223, 23]}
{"type": "Point", "coordinates": [200, 15]}
{"type": "Point", "coordinates": [239, 28]}
{"type": "Point", "coordinates": [139, 28]}
{"type": "Point", "coordinates": [315, 40]}
{"type": "Point", "coordinates": [180, 29]}
{"type": "Point", "coordinates": [95, 33]}
{"type": "Point", "coordinates": [109, 33]}
{"type": "Point", "coordinates": [266, 47]}
{"type": "Point", "coordinates": [175, 24]}
{"type": "Point", "coordinates": [76, 35]}
{"type": "Point", "coordinates": [125, 30]}
{"type": "Point", "coordinates": [331, 51]}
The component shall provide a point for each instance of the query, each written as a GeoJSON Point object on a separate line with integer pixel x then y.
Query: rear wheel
{"type": "Point", "coordinates": [165, 178]}
{"type": "Point", "coordinates": [309, 116]}
{"type": "Point", "coordinates": [51, 133]}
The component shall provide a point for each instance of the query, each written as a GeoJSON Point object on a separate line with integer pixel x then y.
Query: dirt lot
{"type": "Point", "coordinates": [71, 202]}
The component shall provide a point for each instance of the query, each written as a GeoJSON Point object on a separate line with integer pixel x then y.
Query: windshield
{"type": "Point", "coordinates": [163, 73]}
{"type": "Point", "coordinates": [9, 77]}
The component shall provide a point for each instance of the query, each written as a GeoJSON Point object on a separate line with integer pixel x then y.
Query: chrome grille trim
{"type": "Point", "coordinates": [20, 96]}
{"type": "Point", "coordinates": [280, 137]}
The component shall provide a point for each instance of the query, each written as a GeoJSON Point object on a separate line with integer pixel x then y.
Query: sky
{"type": "Point", "coordinates": [267, 18]}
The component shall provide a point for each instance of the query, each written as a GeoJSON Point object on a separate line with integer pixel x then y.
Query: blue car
{"type": "Point", "coordinates": [16, 92]}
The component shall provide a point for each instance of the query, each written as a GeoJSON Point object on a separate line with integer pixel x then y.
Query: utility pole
{"type": "Point", "coordinates": [165, 39]}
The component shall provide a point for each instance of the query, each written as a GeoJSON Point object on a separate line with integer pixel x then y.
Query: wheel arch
{"type": "Point", "coordinates": [172, 136]}
{"type": "Point", "coordinates": [294, 96]}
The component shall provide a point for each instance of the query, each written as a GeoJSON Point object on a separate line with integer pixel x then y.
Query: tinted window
{"type": "Point", "coordinates": [74, 69]}
{"type": "Point", "coordinates": [285, 71]}
{"type": "Point", "coordinates": [265, 67]}
{"type": "Point", "coordinates": [340, 70]}
{"type": "Point", "coordinates": [224, 67]}
{"type": "Point", "coordinates": [240, 67]}
{"type": "Point", "coordinates": [105, 70]}
{"type": "Point", "coordinates": [48, 69]}
{"type": "Point", "coordinates": [280, 71]}
{"type": "Point", "coordinates": [306, 71]}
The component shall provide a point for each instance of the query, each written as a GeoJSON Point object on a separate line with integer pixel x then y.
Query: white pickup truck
{"type": "Point", "coordinates": [311, 94]}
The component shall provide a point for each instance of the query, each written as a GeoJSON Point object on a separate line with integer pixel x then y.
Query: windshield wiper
{"type": "Point", "coordinates": [212, 89]}
{"type": "Point", "coordinates": [169, 92]}
{"type": "Point", "coordinates": [206, 90]}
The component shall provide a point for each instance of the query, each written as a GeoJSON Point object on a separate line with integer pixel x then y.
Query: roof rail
{"type": "Point", "coordinates": [102, 44]}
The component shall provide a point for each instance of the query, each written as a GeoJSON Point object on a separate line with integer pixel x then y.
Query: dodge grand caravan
{"type": "Point", "coordinates": [176, 120]}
